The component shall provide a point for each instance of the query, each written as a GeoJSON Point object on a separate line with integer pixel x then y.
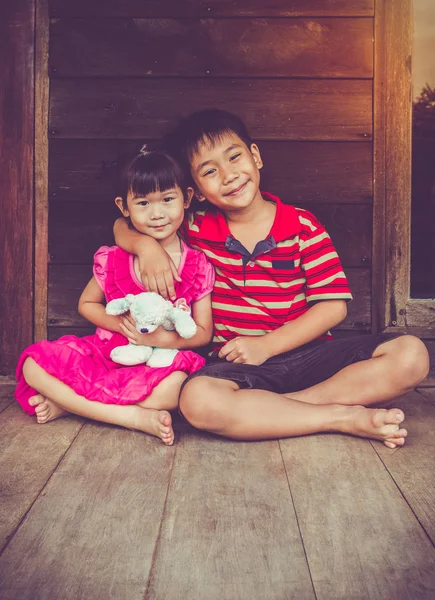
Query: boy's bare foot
{"type": "Point", "coordinates": [158, 423]}
{"type": "Point", "coordinates": [378, 423]}
{"type": "Point", "coordinates": [46, 410]}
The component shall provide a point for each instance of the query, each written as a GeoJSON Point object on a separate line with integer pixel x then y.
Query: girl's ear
{"type": "Point", "coordinates": [188, 197]}
{"type": "Point", "coordinates": [119, 203]}
{"type": "Point", "coordinates": [255, 151]}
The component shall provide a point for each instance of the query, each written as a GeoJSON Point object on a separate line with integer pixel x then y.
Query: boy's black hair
{"type": "Point", "coordinates": [209, 125]}
{"type": "Point", "coordinates": [147, 171]}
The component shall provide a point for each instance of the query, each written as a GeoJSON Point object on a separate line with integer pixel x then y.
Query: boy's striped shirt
{"type": "Point", "coordinates": [256, 293]}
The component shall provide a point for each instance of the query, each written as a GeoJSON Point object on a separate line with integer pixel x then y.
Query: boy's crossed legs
{"type": "Point", "coordinates": [55, 399]}
{"type": "Point", "coordinates": [336, 404]}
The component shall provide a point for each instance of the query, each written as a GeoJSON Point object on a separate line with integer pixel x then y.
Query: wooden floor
{"type": "Point", "coordinates": [92, 511]}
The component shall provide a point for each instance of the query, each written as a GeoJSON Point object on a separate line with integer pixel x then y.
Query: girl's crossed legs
{"type": "Point", "coordinates": [55, 399]}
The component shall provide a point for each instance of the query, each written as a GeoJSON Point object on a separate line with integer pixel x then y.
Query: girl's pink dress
{"type": "Point", "coordinates": [84, 363]}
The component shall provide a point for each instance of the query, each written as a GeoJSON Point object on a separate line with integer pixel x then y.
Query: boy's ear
{"type": "Point", "coordinates": [120, 205]}
{"type": "Point", "coordinates": [188, 197]}
{"type": "Point", "coordinates": [199, 196]}
{"type": "Point", "coordinates": [255, 151]}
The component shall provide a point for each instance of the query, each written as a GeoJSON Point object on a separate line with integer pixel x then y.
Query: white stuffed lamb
{"type": "Point", "coordinates": [149, 311]}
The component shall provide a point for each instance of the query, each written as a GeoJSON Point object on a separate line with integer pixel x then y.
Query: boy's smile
{"type": "Point", "coordinates": [227, 173]}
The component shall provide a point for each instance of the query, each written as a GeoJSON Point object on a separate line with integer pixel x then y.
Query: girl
{"type": "Point", "coordinates": [76, 375]}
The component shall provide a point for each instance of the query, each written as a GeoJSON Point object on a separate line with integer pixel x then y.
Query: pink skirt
{"type": "Point", "coordinates": [84, 364]}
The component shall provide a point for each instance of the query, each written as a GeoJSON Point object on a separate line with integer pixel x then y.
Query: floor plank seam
{"type": "Point", "coordinates": [7, 406]}
{"type": "Point", "coordinates": [402, 494]}
{"type": "Point", "coordinates": [12, 534]}
{"type": "Point", "coordinates": [297, 521]}
{"type": "Point", "coordinates": [153, 558]}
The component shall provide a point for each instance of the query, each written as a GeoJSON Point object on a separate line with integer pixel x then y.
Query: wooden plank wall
{"type": "Point", "coordinates": [16, 176]}
{"type": "Point", "coordinates": [300, 73]}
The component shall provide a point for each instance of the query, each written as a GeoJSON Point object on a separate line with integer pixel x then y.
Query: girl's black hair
{"type": "Point", "coordinates": [146, 172]}
{"type": "Point", "coordinates": [209, 125]}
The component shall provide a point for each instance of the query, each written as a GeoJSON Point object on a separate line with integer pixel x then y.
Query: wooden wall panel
{"type": "Point", "coordinates": [273, 108]}
{"type": "Point", "coordinates": [16, 176]}
{"type": "Point", "coordinates": [211, 8]}
{"type": "Point", "coordinates": [321, 172]}
{"type": "Point", "coordinates": [68, 281]}
{"type": "Point", "coordinates": [79, 228]}
{"type": "Point", "coordinates": [219, 47]}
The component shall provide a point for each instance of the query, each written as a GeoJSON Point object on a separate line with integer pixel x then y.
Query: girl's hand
{"type": "Point", "coordinates": [250, 350]}
{"type": "Point", "coordinates": [157, 338]}
{"type": "Point", "coordinates": [158, 273]}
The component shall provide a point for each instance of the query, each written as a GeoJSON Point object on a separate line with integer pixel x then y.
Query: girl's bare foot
{"type": "Point", "coordinates": [46, 410]}
{"type": "Point", "coordinates": [379, 424]}
{"type": "Point", "coordinates": [158, 423]}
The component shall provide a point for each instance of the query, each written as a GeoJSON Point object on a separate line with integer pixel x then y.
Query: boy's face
{"type": "Point", "coordinates": [227, 174]}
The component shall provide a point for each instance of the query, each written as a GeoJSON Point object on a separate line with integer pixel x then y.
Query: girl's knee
{"type": "Point", "coordinates": [30, 370]}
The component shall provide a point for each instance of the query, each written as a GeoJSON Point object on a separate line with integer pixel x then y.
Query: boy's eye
{"type": "Point", "coordinates": [234, 156]}
{"type": "Point", "coordinates": [208, 172]}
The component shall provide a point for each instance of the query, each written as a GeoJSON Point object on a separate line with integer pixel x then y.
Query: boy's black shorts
{"type": "Point", "coordinates": [297, 369]}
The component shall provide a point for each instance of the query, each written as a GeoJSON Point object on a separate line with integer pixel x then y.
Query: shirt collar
{"type": "Point", "coordinates": [214, 226]}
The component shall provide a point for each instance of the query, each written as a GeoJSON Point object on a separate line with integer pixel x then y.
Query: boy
{"type": "Point", "coordinates": [279, 288]}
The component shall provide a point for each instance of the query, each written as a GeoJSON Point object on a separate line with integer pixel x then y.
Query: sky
{"type": "Point", "coordinates": [423, 63]}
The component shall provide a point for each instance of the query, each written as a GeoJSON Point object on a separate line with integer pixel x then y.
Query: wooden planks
{"type": "Point", "coordinates": [138, 108]}
{"type": "Point", "coordinates": [94, 528]}
{"type": "Point", "coordinates": [29, 453]}
{"type": "Point", "coordinates": [216, 47]}
{"type": "Point", "coordinates": [16, 175]}
{"type": "Point", "coordinates": [68, 281]}
{"type": "Point", "coordinates": [298, 172]}
{"type": "Point", "coordinates": [214, 8]}
{"type": "Point", "coordinates": [229, 529]}
{"type": "Point", "coordinates": [78, 229]}
{"type": "Point", "coordinates": [413, 469]}
{"type": "Point", "coordinates": [7, 387]}
{"type": "Point", "coordinates": [356, 527]}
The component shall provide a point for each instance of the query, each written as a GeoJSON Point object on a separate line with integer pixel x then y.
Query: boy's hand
{"type": "Point", "coordinates": [250, 350]}
{"type": "Point", "coordinates": [158, 273]}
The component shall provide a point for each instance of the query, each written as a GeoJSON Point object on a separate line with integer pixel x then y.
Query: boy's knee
{"type": "Point", "coordinates": [412, 360]}
{"type": "Point", "coordinates": [200, 404]}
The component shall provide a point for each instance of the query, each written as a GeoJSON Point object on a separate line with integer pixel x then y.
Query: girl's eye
{"type": "Point", "coordinates": [143, 203]}
{"type": "Point", "coordinates": [168, 199]}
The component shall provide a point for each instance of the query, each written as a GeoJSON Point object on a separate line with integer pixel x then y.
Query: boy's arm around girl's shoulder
{"type": "Point", "coordinates": [157, 269]}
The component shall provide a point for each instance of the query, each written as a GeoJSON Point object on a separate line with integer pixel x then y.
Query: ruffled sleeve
{"type": "Point", "coordinates": [101, 258]}
{"type": "Point", "coordinates": [205, 277]}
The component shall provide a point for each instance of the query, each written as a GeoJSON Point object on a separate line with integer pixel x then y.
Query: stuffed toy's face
{"type": "Point", "coordinates": [149, 311]}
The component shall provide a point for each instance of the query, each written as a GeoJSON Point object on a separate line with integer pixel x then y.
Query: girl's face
{"type": "Point", "coordinates": [158, 214]}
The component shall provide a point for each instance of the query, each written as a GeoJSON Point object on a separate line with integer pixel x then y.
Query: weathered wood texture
{"type": "Point", "coordinates": [321, 172]}
{"type": "Point", "coordinates": [29, 453]}
{"type": "Point", "coordinates": [41, 167]}
{"type": "Point", "coordinates": [214, 504]}
{"type": "Point", "coordinates": [7, 387]}
{"type": "Point", "coordinates": [219, 47]}
{"type": "Point", "coordinates": [211, 8]}
{"type": "Point", "coordinates": [354, 521]}
{"type": "Point", "coordinates": [16, 175]}
{"type": "Point", "coordinates": [413, 470]}
{"type": "Point", "coordinates": [281, 109]}
{"type": "Point", "coordinates": [67, 283]}
{"type": "Point", "coordinates": [103, 505]}
{"type": "Point", "coordinates": [78, 229]}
